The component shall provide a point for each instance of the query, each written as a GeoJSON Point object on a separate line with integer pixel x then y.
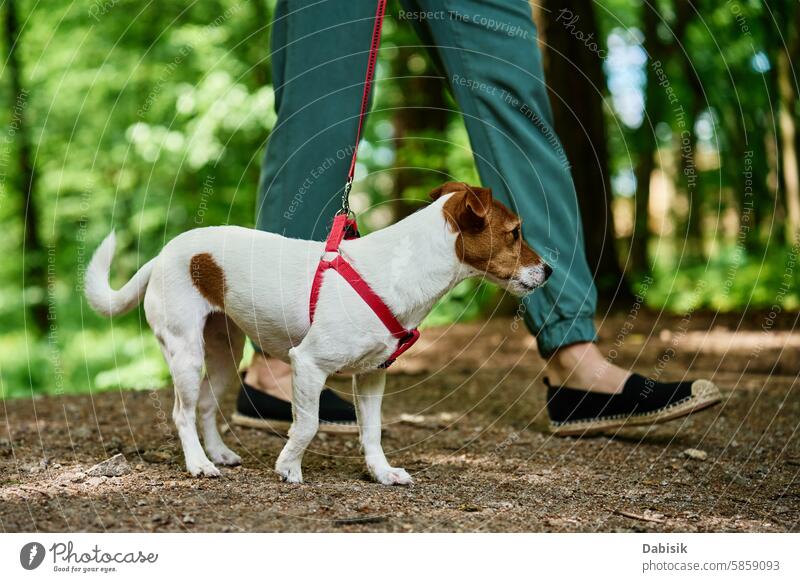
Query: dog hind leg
{"type": "Point", "coordinates": [224, 343]}
{"type": "Point", "coordinates": [368, 391]}
{"type": "Point", "coordinates": [183, 352]}
{"type": "Point", "coordinates": [308, 380]}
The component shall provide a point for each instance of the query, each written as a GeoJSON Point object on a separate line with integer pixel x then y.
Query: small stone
{"type": "Point", "coordinates": [116, 466]}
{"type": "Point", "coordinates": [738, 479]}
{"type": "Point", "coordinates": [78, 477]}
{"type": "Point", "coordinates": [188, 519]}
{"type": "Point", "coordinates": [695, 454]}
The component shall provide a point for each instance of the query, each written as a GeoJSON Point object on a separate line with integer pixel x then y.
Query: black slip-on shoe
{"type": "Point", "coordinates": [255, 409]}
{"type": "Point", "coordinates": [642, 401]}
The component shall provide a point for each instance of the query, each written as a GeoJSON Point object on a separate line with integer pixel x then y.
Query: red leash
{"type": "Point", "coordinates": [373, 58]}
{"type": "Point", "coordinates": [344, 227]}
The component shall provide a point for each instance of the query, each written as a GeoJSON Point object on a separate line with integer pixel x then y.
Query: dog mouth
{"type": "Point", "coordinates": [521, 288]}
{"type": "Point", "coordinates": [524, 285]}
{"type": "Point", "coordinates": [528, 280]}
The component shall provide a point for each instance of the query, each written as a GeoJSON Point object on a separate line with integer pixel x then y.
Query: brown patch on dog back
{"type": "Point", "coordinates": [489, 235]}
{"type": "Point", "coordinates": [208, 278]}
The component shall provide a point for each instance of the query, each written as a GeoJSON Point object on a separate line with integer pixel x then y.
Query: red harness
{"type": "Point", "coordinates": [345, 228]}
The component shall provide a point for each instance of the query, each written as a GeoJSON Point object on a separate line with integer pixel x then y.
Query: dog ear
{"type": "Point", "coordinates": [472, 207]}
{"type": "Point", "coordinates": [479, 200]}
{"type": "Point", "coordinates": [448, 188]}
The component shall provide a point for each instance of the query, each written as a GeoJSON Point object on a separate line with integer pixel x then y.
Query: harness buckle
{"type": "Point", "coordinates": [403, 343]}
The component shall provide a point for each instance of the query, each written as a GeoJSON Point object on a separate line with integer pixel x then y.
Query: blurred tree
{"type": "Point", "coordinates": [259, 43]}
{"type": "Point", "coordinates": [694, 102]}
{"type": "Point", "coordinates": [784, 50]}
{"type": "Point", "coordinates": [420, 111]}
{"type": "Point", "coordinates": [34, 275]}
{"type": "Point", "coordinates": [577, 89]}
{"type": "Point", "coordinates": [646, 142]}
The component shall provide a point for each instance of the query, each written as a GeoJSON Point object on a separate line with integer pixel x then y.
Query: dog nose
{"type": "Point", "coordinates": [548, 270]}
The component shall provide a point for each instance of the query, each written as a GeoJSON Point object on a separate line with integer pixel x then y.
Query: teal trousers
{"type": "Point", "coordinates": [488, 52]}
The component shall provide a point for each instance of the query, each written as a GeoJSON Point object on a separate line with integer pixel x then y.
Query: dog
{"type": "Point", "coordinates": [209, 288]}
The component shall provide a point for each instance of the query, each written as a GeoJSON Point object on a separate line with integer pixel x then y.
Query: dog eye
{"type": "Point", "coordinates": [515, 234]}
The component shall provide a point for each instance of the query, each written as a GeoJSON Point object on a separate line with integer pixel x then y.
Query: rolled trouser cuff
{"type": "Point", "coordinates": [563, 333]}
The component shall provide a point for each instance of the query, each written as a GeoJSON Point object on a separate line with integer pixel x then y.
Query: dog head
{"type": "Point", "coordinates": [490, 238]}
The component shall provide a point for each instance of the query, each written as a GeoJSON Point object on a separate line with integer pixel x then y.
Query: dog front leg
{"type": "Point", "coordinates": [308, 380]}
{"type": "Point", "coordinates": [368, 391]}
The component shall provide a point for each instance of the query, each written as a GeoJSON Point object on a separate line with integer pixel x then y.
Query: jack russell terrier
{"type": "Point", "coordinates": [209, 288]}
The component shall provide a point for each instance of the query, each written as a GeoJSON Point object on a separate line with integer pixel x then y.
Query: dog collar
{"type": "Point", "coordinates": [345, 228]}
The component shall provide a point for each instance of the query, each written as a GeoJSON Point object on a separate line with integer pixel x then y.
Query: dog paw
{"type": "Point", "coordinates": [289, 472]}
{"type": "Point", "coordinates": [225, 456]}
{"type": "Point", "coordinates": [205, 469]}
{"type": "Point", "coordinates": [393, 476]}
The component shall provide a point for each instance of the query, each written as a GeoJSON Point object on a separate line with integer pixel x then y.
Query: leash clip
{"type": "Point", "coordinates": [345, 209]}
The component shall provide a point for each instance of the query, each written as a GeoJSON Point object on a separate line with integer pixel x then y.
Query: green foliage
{"type": "Point", "coordinates": [731, 280]}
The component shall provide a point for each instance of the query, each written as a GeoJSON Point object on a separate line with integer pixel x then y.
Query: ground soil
{"type": "Point", "coordinates": [465, 415]}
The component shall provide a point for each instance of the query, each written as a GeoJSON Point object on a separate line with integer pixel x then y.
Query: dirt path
{"type": "Point", "coordinates": [475, 440]}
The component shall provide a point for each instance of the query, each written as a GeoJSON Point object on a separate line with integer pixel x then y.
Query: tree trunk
{"type": "Point", "coordinates": [423, 110]}
{"type": "Point", "coordinates": [260, 51]}
{"type": "Point", "coordinates": [767, 202]}
{"type": "Point", "coordinates": [577, 85]}
{"type": "Point", "coordinates": [34, 274]}
{"type": "Point", "coordinates": [689, 178]}
{"type": "Point", "coordinates": [787, 127]}
{"type": "Point", "coordinates": [646, 146]}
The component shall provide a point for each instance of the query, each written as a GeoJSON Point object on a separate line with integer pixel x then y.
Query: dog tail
{"type": "Point", "coordinates": [105, 300]}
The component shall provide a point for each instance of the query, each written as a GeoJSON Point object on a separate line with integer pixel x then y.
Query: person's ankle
{"type": "Point", "coordinates": [270, 376]}
{"type": "Point", "coordinates": [583, 366]}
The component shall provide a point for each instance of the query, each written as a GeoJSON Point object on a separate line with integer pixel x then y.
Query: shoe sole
{"type": "Point", "coordinates": [704, 395]}
{"type": "Point", "coordinates": [282, 426]}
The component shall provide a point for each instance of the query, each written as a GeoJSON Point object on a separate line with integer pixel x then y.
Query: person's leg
{"type": "Point", "coordinates": [319, 56]}
{"type": "Point", "coordinates": [489, 54]}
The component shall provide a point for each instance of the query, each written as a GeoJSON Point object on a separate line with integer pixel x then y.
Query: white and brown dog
{"type": "Point", "coordinates": [209, 288]}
